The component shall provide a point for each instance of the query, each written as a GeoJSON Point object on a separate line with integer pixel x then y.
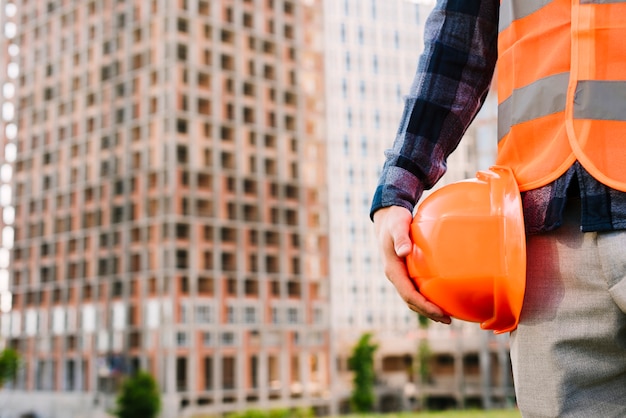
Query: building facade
{"type": "Point", "coordinates": [169, 209]}
{"type": "Point", "coordinates": [371, 52]}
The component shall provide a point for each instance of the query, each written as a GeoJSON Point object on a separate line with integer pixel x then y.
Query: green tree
{"type": "Point", "coordinates": [423, 351]}
{"type": "Point", "coordinates": [423, 361]}
{"type": "Point", "coordinates": [139, 397]}
{"type": "Point", "coordinates": [9, 363]}
{"type": "Point", "coordinates": [424, 355]}
{"type": "Point", "coordinates": [423, 321]}
{"type": "Point", "coordinates": [361, 362]}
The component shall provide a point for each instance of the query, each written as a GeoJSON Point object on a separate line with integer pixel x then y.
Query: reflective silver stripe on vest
{"type": "Point", "coordinates": [602, 100]}
{"type": "Point", "coordinates": [511, 10]}
{"type": "Point", "coordinates": [543, 97]}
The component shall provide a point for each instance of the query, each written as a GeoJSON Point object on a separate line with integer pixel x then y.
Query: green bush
{"type": "Point", "coordinates": [139, 397]}
{"type": "Point", "coordinates": [9, 363]}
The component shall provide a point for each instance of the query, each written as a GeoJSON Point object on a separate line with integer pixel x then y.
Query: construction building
{"type": "Point", "coordinates": [169, 209]}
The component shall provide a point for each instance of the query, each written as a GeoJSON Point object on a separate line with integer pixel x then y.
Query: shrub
{"type": "Point", "coordinates": [139, 397]}
{"type": "Point", "coordinates": [9, 363]}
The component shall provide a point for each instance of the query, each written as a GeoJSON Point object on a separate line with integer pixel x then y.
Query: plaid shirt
{"type": "Point", "coordinates": [452, 80]}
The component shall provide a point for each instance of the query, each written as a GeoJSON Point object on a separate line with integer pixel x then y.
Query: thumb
{"type": "Point", "coordinates": [393, 223]}
{"type": "Point", "coordinates": [402, 243]}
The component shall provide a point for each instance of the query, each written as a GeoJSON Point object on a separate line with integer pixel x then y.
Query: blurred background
{"type": "Point", "coordinates": [185, 189]}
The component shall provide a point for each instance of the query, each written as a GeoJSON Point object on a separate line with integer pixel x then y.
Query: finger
{"type": "Point", "coordinates": [397, 274]}
{"type": "Point", "coordinates": [430, 311]}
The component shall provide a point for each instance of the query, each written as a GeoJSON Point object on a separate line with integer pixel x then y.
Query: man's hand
{"type": "Point", "coordinates": [392, 228]}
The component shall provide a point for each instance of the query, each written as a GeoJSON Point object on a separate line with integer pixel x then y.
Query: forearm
{"type": "Point", "coordinates": [450, 85]}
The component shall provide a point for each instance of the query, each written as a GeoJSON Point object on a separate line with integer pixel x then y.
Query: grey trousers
{"type": "Point", "coordinates": [569, 351]}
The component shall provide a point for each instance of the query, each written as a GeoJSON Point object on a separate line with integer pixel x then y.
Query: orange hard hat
{"type": "Point", "coordinates": [469, 249]}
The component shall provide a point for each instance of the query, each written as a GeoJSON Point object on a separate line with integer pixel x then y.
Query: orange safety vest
{"type": "Point", "coordinates": [562, 89]}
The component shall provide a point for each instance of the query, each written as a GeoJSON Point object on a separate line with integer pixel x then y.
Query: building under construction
{"type": "Point", "coordinates": [169, 213]}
